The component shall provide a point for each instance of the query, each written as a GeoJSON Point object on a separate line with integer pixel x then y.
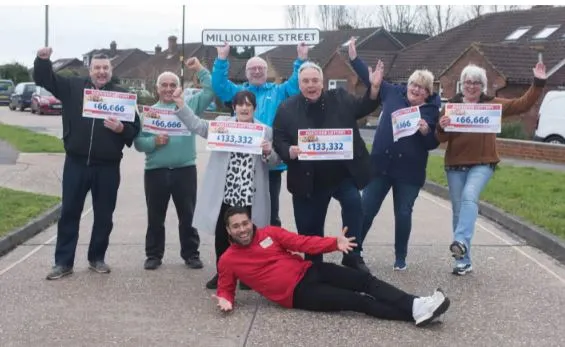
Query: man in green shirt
{"type": "Point", "coordinates": [170, 170]}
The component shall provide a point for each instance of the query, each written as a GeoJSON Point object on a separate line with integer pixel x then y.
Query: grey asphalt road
{"type": "Point", "coordinates": [515, 297]}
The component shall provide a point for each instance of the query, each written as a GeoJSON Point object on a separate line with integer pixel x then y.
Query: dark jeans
{"type": "Point", "coordinates": [404, 196]}
{"type": "Point", "coordinates": [103, 182]}
{"type": "Point", "coordinates": [274, 191]}
{"type": "Point", "coordinates": [160, 185]}
{"type": "Point", "coordinates": [310, 213]}
{"type": "Point", "coordinates": [329, 287]}
{"type": "Point", "coordinates": [222, 241]}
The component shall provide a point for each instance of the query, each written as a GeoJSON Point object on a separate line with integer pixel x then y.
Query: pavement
{"type": "Point", "coordinates": [515, 296]}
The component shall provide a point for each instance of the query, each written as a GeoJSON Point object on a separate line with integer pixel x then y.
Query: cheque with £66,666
{"type": "Point", "coordinates": [163, 121]}
{"type": "Point", "coordinates": [103, 104]}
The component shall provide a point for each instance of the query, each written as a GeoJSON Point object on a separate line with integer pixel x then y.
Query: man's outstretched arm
{"type": "Point", "coordinates": [312, 244]}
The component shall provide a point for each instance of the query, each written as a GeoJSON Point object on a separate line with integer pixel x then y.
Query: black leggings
{"type": "Point", "coordinates": [222, 241]}
{"type": "Point", "coordinates": [330, 287]}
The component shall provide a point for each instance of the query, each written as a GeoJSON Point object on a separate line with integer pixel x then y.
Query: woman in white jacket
{"type": "Point", "coordinates": [231, 178]}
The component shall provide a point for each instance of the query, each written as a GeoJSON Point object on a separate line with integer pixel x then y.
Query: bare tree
{"type": "Point", "coordinates": [399, 18]}
{"type": "Point", "coordinates": [476, 11]}
{"type": "Point", "coordinates": [333, 17]}
{"type": "Point", "coordinates": [438, 18]}
{"type": "Point", "coordinates": [503, 8]}
{"type": "Point", "coordinates": [361, 16]}
{"type": "Point", "coordinates": [297, 16]}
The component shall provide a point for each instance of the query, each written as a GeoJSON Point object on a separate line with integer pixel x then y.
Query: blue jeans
{"type": "Point", "coordinates": [465, 187]}
{"type": "Point", "coordinates": [404, 196]}
{"type": "Point", "coordinates": [310, 212]}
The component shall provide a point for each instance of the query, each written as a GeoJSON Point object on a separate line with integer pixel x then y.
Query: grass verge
{"type": "Point", "coordinates": [18, 208]}
{"type": "Point", "coordinates": [27, 141]}
{"type": "Point", "coordinates": [535, 195]}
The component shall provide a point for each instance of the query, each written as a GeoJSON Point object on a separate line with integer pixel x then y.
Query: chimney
{"type": "Point", "coordinates": [158, 49]}
{"type": "Point", "coordinates": [172, 44]}
{"type": "Point", "coordinates": [113, 48]}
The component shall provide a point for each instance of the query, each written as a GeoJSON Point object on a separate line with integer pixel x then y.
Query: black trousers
{"type": "Point", "coordinates": [222, 241]}
{"type": "Point", "coordinates": [79, 178]}
{"type": "Point", "coordinates": [160, 185]}
{"type": "Point", "coordinates": [330, 287]}
{"type": "Point", "coordinates": [274, 193]}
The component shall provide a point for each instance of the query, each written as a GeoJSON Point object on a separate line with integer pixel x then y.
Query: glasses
{"type": "Point", "coordinates": [473, 83]}
{"type": "Point", "coordinates": [417, 86]}
{"type": "Point", "coordinates": [258, 68]}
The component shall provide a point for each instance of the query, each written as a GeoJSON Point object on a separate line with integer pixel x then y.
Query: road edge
{"type": "Point", "coordinates": [20, 235]}
{"type": "Point", "coordinates": [533, 235]}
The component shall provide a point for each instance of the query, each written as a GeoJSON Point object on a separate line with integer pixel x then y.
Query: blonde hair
{"type": "Point", "coordinates": [423, 78]}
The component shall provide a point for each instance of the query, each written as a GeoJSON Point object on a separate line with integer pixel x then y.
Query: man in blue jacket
{"type": "Point", "coordinates": [269, 96]}
{"type": "Point", "coordinates": [93, 150]}
{"type": "Point", "coordinates": [400, 165]}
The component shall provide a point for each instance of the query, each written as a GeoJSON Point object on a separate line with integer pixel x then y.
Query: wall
{"type": "Point", "coordinates": [529, 150]}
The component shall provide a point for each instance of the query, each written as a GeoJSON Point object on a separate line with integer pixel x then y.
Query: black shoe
{"type": "Point", "coordinates": [458, 250]}
{"type": "Point", "coordinates": [99, 266]}
{"type": "Point", "coordinates": [243, 286]}
{"type": "Point", "coordinates": [194, 262]}
{"type": "Point", "coordinates": [59, 271]}
{"type": "Point", "coordinates": [213, 283]}
{"type": "Point", "coordinates": [152, 263]}
{"type": "Point", "coordinates": [355, 261]}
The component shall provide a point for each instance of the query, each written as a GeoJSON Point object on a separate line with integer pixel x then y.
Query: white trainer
{"type": "Point", "coordinates": [426, 309]}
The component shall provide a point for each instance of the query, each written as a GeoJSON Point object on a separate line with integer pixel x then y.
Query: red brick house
{"type": "Point", "coordinates": [506, 44]}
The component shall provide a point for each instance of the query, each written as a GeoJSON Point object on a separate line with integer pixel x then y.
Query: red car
{"type": "Point", "coordinates": [43, 102]}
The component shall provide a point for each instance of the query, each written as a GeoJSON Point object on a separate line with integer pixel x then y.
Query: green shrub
{"type": "Point", "coordinates": [513, 130]}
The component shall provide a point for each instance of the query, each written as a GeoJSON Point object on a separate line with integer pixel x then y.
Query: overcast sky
{"type": "Point", "coordinates": [74, 30]}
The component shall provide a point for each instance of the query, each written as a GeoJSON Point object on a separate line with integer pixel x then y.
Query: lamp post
{"type": "Point", "coordinates": [46, 25]}
{"type": "Point", "coordinates": [183, 52]}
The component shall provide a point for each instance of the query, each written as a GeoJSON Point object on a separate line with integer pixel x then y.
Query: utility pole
{"type": "Point", "coordinates": [183, 52]}
{"type": "Point", "coordinates": [46, 25]}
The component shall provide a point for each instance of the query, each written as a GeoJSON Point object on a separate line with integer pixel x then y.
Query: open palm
{"type": "Point", "coordinates": [539, 71]}
{"type": "Point", "coordinates": [376, 76]}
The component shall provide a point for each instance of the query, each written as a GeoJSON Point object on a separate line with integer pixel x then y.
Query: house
{"type": "Point", "coordinates": [72, 65]}
{"type": "Point", "coordinates": [506, 44]}
{"type": "Point", "coordinates": [337, 72]}
{"type": "Point", "coordinates": [122, 60]}
{"type": "Point", "coordinates": [170, 60]}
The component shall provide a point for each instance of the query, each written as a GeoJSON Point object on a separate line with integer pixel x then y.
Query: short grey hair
{"type": "Point", "coordinates": [311, 65]}
{"type": "Point", "coordinates": [168, 74]}
{"type": "Point", "coordinates": [424, 78]}
{"type": "Point", "coordinates": [474, 73]}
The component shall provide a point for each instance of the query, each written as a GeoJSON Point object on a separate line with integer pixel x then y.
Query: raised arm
{"type": "Point", "coordinates": [522, 104]}
{"type": "Point", "coordinates": [290, 86]}
{"type": "Point", "coordinates": [222, 86]}
{"type": "Point", "coordinates": [44, 76]}
{"type": "Point", "coordinates": [358, 65]}
{"type": "Point", "coordinates": [202, 100]}
{"type": "Point", "coordinates": [304, 244]}
{"type": "Point", "coordinates": [363, 106]}
{"type": "Point", "coordinates": [188, 117]}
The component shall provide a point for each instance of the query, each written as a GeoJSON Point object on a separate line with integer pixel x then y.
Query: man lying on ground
{"type": "Point", "coordinates": [261, 258]}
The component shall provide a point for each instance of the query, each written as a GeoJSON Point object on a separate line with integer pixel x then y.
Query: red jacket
{"type": "Point", "coordinates": [267, 266]}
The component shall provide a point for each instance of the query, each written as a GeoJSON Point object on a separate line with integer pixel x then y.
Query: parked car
{"type": "Point", "coordinates": [551, 119]}
{"type": "Point", "coordinates": [190, 92]}
{"type": "Point", "coordinates": [43, 102]}
{"type": "Point", "coordinates": [21, 97]}
{"type": "Point", "coordinates": [6, 89]}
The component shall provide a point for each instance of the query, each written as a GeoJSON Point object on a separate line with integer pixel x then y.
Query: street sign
{"type": "Point", "coordinates": [260, 37]}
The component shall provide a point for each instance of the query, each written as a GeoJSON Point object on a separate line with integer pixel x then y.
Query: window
{"type": "Point", "coordinates": [518, 33]}
{"type": "Point", "coordinates": [85, 60]}
{"type": "Point", "coordinates": [545, 32]}
{"type": "Point", "coordinates": [334, 84]}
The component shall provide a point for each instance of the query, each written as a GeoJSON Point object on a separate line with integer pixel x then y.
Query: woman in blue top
{"type": "Point", "coordinates": [400, 165]}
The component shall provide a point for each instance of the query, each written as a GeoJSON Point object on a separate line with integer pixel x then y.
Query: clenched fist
{"type": "Point", "coordinates": [193, 64]}
{"type": "Point", "coordinates": [45, 53]}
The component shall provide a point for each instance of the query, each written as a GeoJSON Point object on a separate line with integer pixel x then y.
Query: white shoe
{"type": "Point", "coordinates": [428, 308]}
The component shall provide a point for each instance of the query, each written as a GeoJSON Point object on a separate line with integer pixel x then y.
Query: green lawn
{"type": "Point", "coordinates": [537, 196]}
{"type": "Point", "coordinates": [18, 208]}
{"type": "Point", "coordinates": [28, 141]}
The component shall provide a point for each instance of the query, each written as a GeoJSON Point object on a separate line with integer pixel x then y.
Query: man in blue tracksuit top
{"type": "Point", "coordinates": [269, 96]}
{"type": "Point", "coordinates": [400, 165]}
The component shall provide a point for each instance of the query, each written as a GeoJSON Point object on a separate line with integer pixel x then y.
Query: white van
{"type": "Point", "coordinates": [551, 121]}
